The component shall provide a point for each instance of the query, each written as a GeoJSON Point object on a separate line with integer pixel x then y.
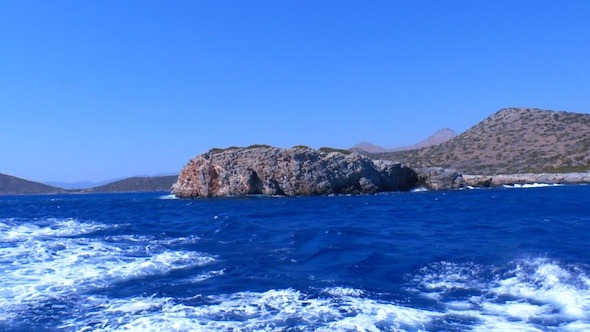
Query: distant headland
{"type": "Point", "coordinates": [512, 146]}
{"type": "Point", "coordinates": [11, 185]}
{"type": "Point", "coordinates": [511, 141]}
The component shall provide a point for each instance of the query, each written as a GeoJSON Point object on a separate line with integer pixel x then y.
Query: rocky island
{"type": "Point", "coordinates": [292, 172]}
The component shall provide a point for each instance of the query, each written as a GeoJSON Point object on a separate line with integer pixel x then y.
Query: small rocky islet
{"type": "Point", "coordinates": [292, 172]}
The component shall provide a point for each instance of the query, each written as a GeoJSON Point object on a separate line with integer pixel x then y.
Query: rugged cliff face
{"type": "Point", "coordinates": [296, 171]}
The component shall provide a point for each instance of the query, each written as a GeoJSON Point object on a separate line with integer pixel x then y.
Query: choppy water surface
{"type": "Point", "coordinates": [495, 259]}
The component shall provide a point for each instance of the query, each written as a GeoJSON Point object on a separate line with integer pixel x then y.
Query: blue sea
{"type": "Point", "coordinates": [506, 259]}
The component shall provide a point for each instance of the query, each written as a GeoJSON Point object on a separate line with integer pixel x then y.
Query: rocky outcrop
{"type": "Point", "coordinates": [526, 178]}
{"type": "Point", "coordinates": [438, 178]}
{"type": "Point", "coordinates": [292, 172]}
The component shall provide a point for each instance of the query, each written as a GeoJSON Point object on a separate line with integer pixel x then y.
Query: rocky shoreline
{"type": "Point", "coordinates": [436, 178]}
{"type": "Point", "coordinates": [304, 171]}
{"type": "Point", "coordinates": [526, 178]}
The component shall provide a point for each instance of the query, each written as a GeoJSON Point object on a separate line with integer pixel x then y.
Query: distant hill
{"type": "Point", "coordinates": [513, 140]}
{"type": "Point", "coordinates": [368, 147]}
{"type": "Point", "coordinates": [77, 185]}
{"type": "Point", "coordinates": [438, 137]}
{"type": "Point", "coordinates": [137, 184]}
{"type": "Point", "coordinates": [13, 185]}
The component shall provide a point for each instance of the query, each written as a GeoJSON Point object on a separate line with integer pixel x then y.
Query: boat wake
{"type": "Point", "coordinates": [71, 275]}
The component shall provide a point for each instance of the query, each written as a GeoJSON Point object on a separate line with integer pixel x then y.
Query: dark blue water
{"type": "Point", "coordinates": [493, 259]}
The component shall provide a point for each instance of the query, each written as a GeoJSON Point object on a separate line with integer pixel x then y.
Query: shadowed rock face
{"type": "Point", "coordinates": [292, 172]}
{"type": "Point", "coordinates": [438, 178]}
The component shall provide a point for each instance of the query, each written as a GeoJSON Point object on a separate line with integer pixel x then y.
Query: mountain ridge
{"type": "Point", "coordinates": [11, 185]}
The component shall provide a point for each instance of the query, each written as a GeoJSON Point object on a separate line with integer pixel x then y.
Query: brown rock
{"type": "Point", "coordinates": [438, 178]}
{"type": "Point", "coordinates": [296, 171]}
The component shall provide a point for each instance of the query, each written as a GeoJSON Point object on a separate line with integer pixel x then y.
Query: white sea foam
{"type": "Point", "coordinates": [152, 241]}
{"type": "Point", "coordinates": [170, 196]}
{"type": "Point", "coordinates": [59, 259]}
{"type": "Point", "coordinates": [55, 261]}
{"type": "Point", "coordinates": [204, 276]}
{"type": "Point", "coordinates": [343, 291]}
{"type": "Point", "coordinates": [419, 189]}
{"type": "Point", "coordinates": [273, 310]}
{"type": "Point", "coordinates": [472, 188]}
{"type": "Point", "coordinates": [13, 231]}
{"type": "Point", "coordinates": [535, 295]}
{"type": "Point", "coordinates": [39, 270]}
{"type": "Point", "coordinates": [531, 185]}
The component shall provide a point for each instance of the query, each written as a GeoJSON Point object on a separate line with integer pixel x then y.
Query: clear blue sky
{"type": "Point", "coordinates": [94, 90]}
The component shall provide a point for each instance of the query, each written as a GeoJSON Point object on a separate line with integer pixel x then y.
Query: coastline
{"type": "Point", "coordinates": [526, 178]}
{"type": "Point", "coordinates": [432, 178]}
